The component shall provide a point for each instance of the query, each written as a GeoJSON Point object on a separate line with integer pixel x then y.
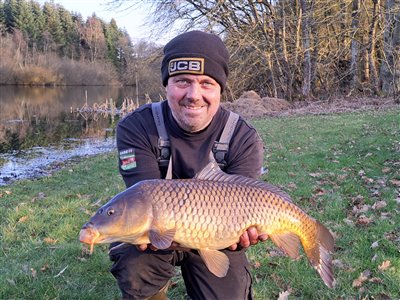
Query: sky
{"type": "Point", "coordinates": [133, 19]}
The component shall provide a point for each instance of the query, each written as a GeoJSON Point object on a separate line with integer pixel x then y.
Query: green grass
{"type": "Point", "coordinates": [328, 164]}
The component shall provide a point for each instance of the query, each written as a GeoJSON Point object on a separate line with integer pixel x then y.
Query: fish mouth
{"type": "Point", "coordinates": [89, 235]}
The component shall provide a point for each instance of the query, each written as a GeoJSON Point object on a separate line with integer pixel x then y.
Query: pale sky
{"type": "Point", "coordinates": [133, 20]}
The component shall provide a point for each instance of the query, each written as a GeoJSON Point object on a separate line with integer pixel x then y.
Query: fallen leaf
{"type": "Point", "coordinates": [359, 210]}
{"type": "Point", "coordinates": [338, 263]}
{"type": "Point", "coordinates": [375, 245]}
{"type": "Point", "coordinates": [391, 235]}
{"type": "Point", "coordinates": [362, 278]}
{"type": "Point", "coordinates": [256, 264]}
{"type": "Point", "coordinates": [284, 295]}
{"type": "Point", "coordinates": [48, 240]}
{"type": "Point", "coordinates": [41, 195]}
{"type": "Point", "coordinates": [348, 222]}
{"type": "Point", "coordinates": [384, 266]}
{"type": "Point", "coordinates": [363, 220]}
{"type": "Point", "coordinates": [33, 273]}
{"type": "Point", "coordinates": [44, 268]}
{"type": "Point", "coordinates": [315, 175]}
{"type": "Point", "coordinates": [319, 192]}
{"type": "Point", "coordinates": [386, 170]}
{"type": "Point", "coordinates": [379, 205]}
{"type": "Point", "coordinates": [375, 280]}
{"type": "Point", "coordinates": [395, 182]}
{"type": "Point", "coordinates": [22, 219]}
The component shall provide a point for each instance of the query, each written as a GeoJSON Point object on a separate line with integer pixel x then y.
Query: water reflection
{"type": "Point", "coordinates": [40, 116]}
{"type": "Point", "coordinates": [39, 126]}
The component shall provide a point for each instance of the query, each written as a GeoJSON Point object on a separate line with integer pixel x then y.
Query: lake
{"type": "Point", "coordinates": [44, 125]}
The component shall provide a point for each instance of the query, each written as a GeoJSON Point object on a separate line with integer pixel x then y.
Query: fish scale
{"type": "Point", "coordinates": [209, 213]}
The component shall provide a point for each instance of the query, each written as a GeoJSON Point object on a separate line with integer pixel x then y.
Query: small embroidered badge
{"type": "Point", "coordinates": [128, 159]}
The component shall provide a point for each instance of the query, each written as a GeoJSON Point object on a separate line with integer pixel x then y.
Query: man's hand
{"type": "Point", "coordinates": [248, 238]}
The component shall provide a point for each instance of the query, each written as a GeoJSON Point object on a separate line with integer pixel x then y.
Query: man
{"type": "Point", "coordinates": [194, 73]}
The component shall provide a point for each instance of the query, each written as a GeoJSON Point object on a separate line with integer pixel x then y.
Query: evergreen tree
{"type": "Point", "coordinates": [25, 21]}
{"type": "Point", "coordinates": [40, 23]}
{"type": "Point", "coordinates": [10, 14]}
{"type": "Point", "coordinates": [53, 25]}
{"type": "Point", "coordinates": [71, 33]}
{"type": "Point", "coordinates": [2, 18]}
{"type": "Point", "coordinates": [113, 35]}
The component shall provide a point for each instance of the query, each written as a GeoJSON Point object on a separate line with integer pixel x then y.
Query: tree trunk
{"type": "Point", "coordinates": [390, 68]}
{"type": "Point", "coordinates": [371, 48]}
{"type": "Point", "coordinates": [305, 16]}
{"type": "Point", "coordinates": [354, 44]}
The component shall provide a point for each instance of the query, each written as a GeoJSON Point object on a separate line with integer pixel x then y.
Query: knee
{"type": "Point", "coordinates": [140, 274]}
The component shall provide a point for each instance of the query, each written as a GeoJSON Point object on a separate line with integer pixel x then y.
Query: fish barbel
{"type": "Point", "coordinates": [208, 213]}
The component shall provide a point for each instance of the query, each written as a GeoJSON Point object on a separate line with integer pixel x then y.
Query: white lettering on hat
{"type": "Point", "coordinates": [192, 65]}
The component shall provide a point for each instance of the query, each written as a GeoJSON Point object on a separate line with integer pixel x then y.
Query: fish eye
{"type": "Point", "coordinates": [110, 211]}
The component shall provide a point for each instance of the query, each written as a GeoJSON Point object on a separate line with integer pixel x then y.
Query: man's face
{"type": "Point", "coordinates": [193, 99]}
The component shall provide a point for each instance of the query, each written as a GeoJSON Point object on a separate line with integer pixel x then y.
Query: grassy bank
{"type": "Point", "coordinates": [341, 169]}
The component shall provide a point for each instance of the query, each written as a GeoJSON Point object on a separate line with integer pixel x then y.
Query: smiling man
{"type": "Point", "coordinates": [194, 73]}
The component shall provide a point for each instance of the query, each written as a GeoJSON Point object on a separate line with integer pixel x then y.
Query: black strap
{"type": "Point", "coordinates": [220, 148]}
{"type": "Point", "coordinates": [163, 140]}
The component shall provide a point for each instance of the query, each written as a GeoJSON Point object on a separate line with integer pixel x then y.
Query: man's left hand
{"type": "Point", "coordinates": [248, 238]}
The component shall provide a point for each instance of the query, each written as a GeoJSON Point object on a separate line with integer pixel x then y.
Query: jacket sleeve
{"type": "Point", "coordinates": [137, 153]}
{"type": "Point", "coordinates": [246, 152]}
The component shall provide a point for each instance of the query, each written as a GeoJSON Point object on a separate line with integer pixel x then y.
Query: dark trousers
{"type": "Point", "coordinates": [142, 274]}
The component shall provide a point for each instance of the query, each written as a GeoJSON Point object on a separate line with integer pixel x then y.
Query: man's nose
{"type": "Point", "coordinates": [194, 91]}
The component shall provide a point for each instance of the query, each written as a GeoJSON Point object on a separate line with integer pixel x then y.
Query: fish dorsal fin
{"type": "Point", "coordinates": [216, 261]}
{"type": "Point", "coordinates": [288, 242]}
{"type": "Point", "coordinates": [212, 172]}
{"type": "Point", "coordinates": [161, 240]}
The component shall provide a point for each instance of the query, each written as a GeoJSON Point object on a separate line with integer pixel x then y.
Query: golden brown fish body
{"type": "Point", "coordinates": [208, 213]}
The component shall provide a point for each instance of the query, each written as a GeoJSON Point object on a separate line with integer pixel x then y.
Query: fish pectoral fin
{"type": "Point", "coordinates": [216, 261]}
{"type": "Point", "coordinates": [161, 239]}
{"type": "Point", "coordinates": [288, 242]}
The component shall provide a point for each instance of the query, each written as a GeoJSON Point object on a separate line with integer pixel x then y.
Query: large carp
{"type": "Point", "coordinates": [208, 213]}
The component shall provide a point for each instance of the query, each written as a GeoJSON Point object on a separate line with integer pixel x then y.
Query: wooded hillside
{"type": "Point", "coordinates": [52, 46]}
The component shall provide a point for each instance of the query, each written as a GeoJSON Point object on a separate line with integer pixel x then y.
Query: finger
{"type": "Point", "coordinates": [142, 247]}
{"type": "Point", "coordinates": [263, 237]}
{"type": "Point", "coordinates": [153, 248]}
{"type": "Point", "coordinates": [253, 235]}
{"type": "Point", "coordinates": [244, 240]}
{"type": "Point", "coordinates": [233, 247]}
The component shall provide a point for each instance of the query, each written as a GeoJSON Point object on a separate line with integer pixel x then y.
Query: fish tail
{"type": "Point", "coordinates": [319, 254]}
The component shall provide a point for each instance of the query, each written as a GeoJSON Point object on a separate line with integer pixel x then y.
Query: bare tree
{"type": "Point", "coordinates": [296, 48]}
{"type": "Point", "coordinates": [390, 68]}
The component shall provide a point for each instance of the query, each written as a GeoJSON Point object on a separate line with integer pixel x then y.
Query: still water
{"type": "Point", "coordinates": [41, 126]}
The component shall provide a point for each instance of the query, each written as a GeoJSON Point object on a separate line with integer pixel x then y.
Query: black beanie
{"type": "Point", "coordinates": [196, 52]}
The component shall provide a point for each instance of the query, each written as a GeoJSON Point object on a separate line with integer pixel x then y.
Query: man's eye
{"type": "Point", "coordinates": [182, 82]}
{"type": "Point", "coordinates": [208, 84]}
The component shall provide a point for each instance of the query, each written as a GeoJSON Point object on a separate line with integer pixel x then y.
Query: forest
{"type": "Point", "coordinates": [291, 49]}
{"type": "Point", "coordinates": [49, 45]}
